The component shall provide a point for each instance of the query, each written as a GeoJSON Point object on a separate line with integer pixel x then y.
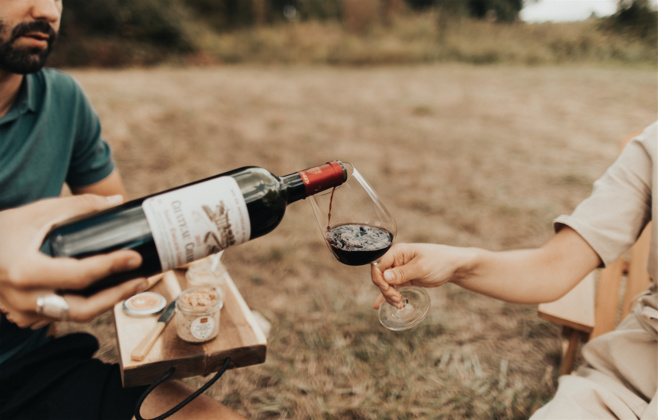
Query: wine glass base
{"type": "Point", "coordinates": [417, 304]}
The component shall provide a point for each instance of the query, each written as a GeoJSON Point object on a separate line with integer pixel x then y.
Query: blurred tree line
{"type": "Point", "coordinates": [117, 32]}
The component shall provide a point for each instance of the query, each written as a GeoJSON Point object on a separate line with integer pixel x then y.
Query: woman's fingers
{"type": "Point", "coordinates": [377, 303]}
{"type": "Point", "coordinates": [388, 292]}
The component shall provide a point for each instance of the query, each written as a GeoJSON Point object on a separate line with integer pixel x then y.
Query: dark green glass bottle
{"type": "Point", "coordinates": [177, 226]}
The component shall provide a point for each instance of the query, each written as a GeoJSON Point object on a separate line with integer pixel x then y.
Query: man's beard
{"type": "Point", "coordinates": [24, 60]}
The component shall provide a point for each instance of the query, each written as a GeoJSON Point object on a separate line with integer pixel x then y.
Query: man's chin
{"type": "Point", "coordinates": [24, 63]}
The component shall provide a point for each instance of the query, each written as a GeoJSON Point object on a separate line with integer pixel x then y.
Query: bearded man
{"type": "Point", "coordinates": [50, 136]}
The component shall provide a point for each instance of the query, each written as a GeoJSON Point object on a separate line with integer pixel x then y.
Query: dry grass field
{"type": "Point", "coordinates": [481, 156]}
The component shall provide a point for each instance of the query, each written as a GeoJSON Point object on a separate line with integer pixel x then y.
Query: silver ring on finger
{"type": "Point", "coordinates": [53, 306]}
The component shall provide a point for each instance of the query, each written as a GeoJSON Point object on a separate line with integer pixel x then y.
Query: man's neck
{"type": "Point", "coordinates": [10, 83]}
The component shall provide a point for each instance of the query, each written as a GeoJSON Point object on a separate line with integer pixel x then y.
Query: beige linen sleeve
{"type": "Point", "coordinates": [613, 216]}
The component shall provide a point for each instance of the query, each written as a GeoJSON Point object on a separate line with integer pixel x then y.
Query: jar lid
{"type": "Point", "coordinates": [144, 304]}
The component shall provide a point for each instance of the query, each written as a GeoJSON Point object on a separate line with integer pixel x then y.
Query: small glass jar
{"type": "Point", "coordinates": [197, 314]}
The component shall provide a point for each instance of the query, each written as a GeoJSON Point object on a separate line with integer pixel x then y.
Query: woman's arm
{"type": "Point", "coordinates": [521, 276]}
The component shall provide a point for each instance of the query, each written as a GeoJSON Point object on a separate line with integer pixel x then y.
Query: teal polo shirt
{"type": "Point", "coordinates": [49, 137]}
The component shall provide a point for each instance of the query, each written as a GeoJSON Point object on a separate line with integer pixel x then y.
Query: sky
{"type": "Point", "coordinates": [568, 10]}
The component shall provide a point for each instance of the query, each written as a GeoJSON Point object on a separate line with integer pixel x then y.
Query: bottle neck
{"type": "Point", "coordinates": [314, 180]}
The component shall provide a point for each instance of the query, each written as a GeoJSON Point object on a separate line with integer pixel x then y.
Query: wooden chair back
{"type": "Point", "coordinates": [620, 284]}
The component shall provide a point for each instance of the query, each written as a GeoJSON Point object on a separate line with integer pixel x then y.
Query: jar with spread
{"type": "Point", "coordinates": [198, 310]}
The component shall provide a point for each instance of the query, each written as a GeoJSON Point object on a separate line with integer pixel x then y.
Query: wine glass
{"type": "Point", "coordinates": [358, 229]}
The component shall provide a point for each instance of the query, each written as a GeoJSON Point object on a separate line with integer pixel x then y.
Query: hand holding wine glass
{"type": "Point", "coordinates": [358, 230]}
{"type": "Point", "coordinates": [417, 264]}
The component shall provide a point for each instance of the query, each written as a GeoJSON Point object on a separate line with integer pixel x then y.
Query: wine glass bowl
{"type": "Point", "coordinates": [358, 229]}
{"type": "Point", "coordinates": [355, 224]}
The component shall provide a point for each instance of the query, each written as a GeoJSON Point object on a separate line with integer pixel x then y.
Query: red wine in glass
{"type": "Point", "coordinates": [358, 244]}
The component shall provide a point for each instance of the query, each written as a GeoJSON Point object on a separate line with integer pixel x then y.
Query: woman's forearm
{"type": "Point", "coordinates": [533, 275]}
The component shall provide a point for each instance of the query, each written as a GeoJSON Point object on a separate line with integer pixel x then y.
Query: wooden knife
{"type": "Point", "coordinates": [144, 346]}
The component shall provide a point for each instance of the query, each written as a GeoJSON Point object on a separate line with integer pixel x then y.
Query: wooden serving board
{"type": "Point", "coordinates": [240, 338]}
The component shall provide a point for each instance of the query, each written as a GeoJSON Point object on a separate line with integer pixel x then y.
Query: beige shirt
{"type": "Point", "coordinates": [623, 201]}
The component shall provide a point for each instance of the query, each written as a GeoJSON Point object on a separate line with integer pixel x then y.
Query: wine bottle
{"type": "Point", "coordinates": [172, 228]}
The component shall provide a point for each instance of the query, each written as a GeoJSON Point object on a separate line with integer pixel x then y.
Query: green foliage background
{"type": "Point", "coordinates": [119, 33]}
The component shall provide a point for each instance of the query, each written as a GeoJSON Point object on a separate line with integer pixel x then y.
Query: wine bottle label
{"type": "Point", "coordinates": [193, 222]}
